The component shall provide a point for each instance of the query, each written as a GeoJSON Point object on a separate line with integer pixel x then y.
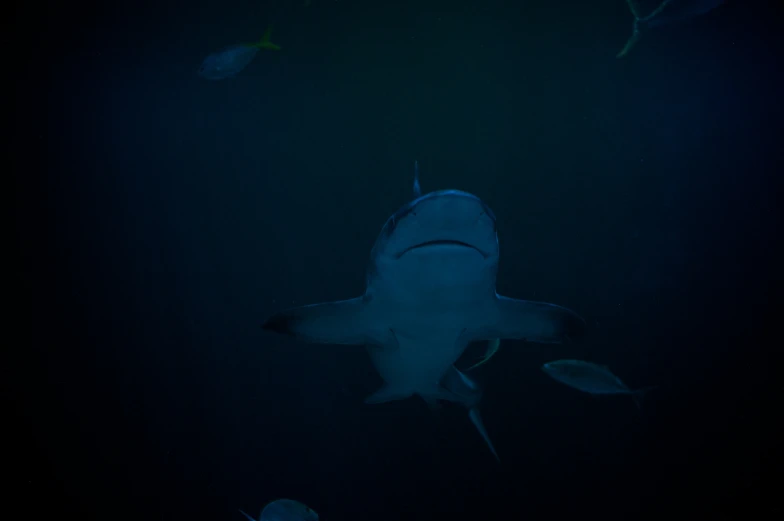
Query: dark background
{"type": "Point", "coordinates": [158, 218]}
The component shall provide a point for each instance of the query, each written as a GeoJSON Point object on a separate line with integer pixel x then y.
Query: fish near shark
{"type": "Point", "coordinates": [669, 12]}
{"type": "Point", "coordinates": [592, 378]}
{"type": "Point", "coordinates": [430, 290]}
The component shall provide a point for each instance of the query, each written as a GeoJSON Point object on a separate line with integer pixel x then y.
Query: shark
{"type": "Point", "coordinates": [430, 291]}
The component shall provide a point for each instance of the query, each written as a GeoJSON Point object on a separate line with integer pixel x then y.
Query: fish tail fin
{"type": "Point", "coordinates": [265, 42]}
{"type": "Point", "coordinates": [630, 43]}
{"type": "Point", "coordinates": [246, 515]}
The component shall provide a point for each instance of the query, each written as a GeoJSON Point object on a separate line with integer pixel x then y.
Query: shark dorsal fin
{"type": "Point", "coordinates": [417, 189]}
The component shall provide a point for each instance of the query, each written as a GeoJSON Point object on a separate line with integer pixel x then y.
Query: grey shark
{"type": "Point", "coordinates": [430, 291]}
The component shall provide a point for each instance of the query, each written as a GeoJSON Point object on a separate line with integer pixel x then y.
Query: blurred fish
{"type": "Point", "coordinates": [591, 378]}
{"type": "Point", "coordinates": [231, 60]}
{"type": "Point", "coordinates": [285, 510]}
{"type": "Point", "coordinates": [668, 12]}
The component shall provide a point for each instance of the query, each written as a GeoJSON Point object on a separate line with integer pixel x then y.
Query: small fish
{"type": "Point", "coordinates": [231, 60]}
{"type": "Point", "coordinates": [285, 510]}
{"type": "Point", "coordinates": [668, 12]}
{"type": "Point", "coordinates": [591, 378]}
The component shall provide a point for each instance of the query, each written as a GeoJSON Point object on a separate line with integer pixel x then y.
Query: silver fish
{"type": "Point", "coordinates": [591, 378]}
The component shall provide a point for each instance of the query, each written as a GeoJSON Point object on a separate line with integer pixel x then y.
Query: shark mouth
{"type": "Point", "coordinates": [441, 243]}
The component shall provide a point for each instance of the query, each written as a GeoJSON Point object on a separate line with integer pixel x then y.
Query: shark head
{"type": "Point", "coordinates": [439, 238]}
{"type": "Point", "coordinates": [441, 222]}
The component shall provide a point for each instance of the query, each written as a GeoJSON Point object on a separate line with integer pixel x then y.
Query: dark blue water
{"type": "Point", "coordinates": [161, 217]}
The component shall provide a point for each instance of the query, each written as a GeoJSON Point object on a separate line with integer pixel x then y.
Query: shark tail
{"type": "Point", "coordinates": [473, 413]}
{"type": "Point", "coordinates": [465, 392]}
{"type": "Point", "coordinates": [265, 42]}
{"type": "Point", "coordinates": [476, 419]}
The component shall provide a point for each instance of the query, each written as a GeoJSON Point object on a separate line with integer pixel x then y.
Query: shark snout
{"type": "Point", "coordinates": [453, 210]}
{"type": "Point", "coordinates": [452, 218]}
{"type": "Point", "coordinates": [442, 223]}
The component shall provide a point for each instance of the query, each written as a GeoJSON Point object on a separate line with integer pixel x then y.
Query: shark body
{"type": "Point", "coordinates": [430, 291]}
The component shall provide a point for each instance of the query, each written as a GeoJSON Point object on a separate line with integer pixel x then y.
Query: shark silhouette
{"type": "Point", "coordinates": [430, 291]}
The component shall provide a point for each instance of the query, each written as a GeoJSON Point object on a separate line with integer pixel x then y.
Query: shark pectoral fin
{"type": "Point", "coordinates": [468, 394]}
{"type": "Point", "coordinates": [340, 322]}
{"type": "Point", "coordinates": [386, 394]}
{"type": "Point", "coordinates": [531, 321]}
